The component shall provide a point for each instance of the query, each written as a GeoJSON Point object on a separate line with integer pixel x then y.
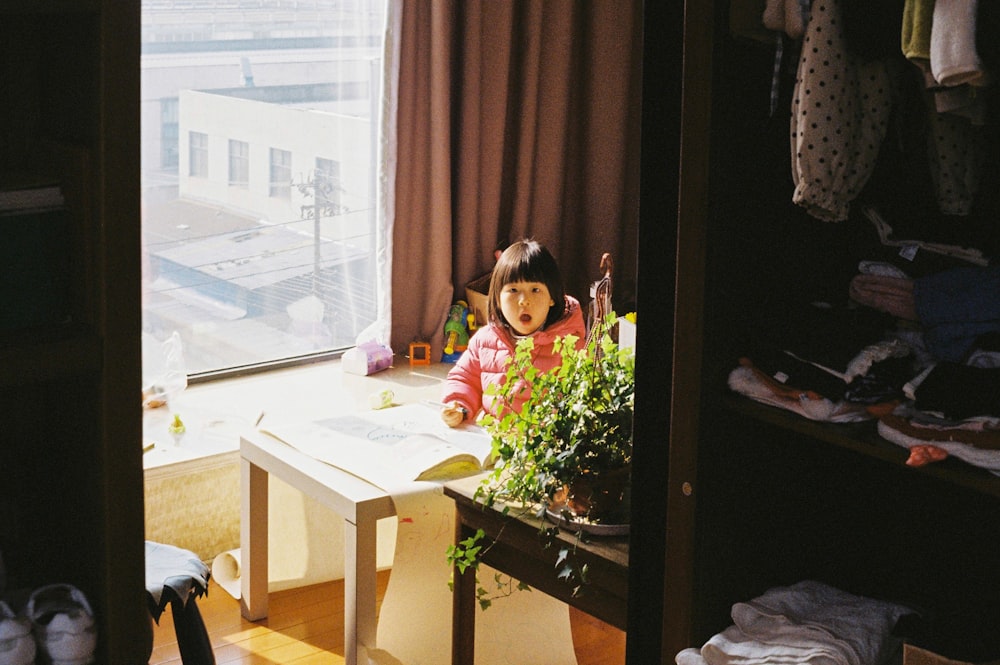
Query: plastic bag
{"type": "Point", "coordinates": [164, 375]}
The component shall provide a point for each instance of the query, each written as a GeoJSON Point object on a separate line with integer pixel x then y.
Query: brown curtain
{"type": "Point", "coordinates": [516, 118]}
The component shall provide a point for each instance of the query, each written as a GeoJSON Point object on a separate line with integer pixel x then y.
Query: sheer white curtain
{"type": "Point", "coordinates": [263, 231]}
{"type": "Point", "coordinates": [386, 170]}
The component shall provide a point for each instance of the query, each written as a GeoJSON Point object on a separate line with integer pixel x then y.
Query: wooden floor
{"type": "Point", "coordinates": [306, 627]}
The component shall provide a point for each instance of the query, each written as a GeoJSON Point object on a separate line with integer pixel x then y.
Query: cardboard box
{"type": "Point", "coordinates": [916, 656]}
{"type": "Point", "coordinates": [476, 295]}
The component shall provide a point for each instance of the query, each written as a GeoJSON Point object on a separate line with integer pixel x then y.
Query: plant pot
{"type": "Point", "coordinates": [600, 498]}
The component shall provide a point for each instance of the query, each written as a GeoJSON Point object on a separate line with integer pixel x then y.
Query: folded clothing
{"type": "Point", "coordinates": [749, 381]}
{"type": "Point", "coordinates": [808, 622]}
{"type": "Point", "coordinates": [957, 306]}
{"type": "Point", "coordinates": [827, 335]}
{"type": "Point", "coordinates": [960, 391]}
{"type": "Point", "coordinates": [734, 647]}
{"type": "Point", "coordinates": [690, 656]}
{"type": "Point", "coordinates": [970, 446]}
{"type": "Point", "coordinates": [982, 433]}
{"type": "Point", "coordinates": [797, 373]}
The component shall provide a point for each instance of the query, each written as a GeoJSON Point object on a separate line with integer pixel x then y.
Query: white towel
{"type": "Point", "coordinates": [690, 656]}
{"type": "Point", "coordinates": [861, 626]}
{"type": "Point", "coordinates": [733, 647]}
{"type": "Point", "coordinates": [808, 622]}
{"type": "Point", "coordinates": [954, 59]}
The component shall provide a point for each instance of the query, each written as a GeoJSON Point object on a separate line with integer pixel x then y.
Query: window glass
{"type": "Point", "coordinates": [239, 164]}
{"type": "Point", "coordinates": [281, 173]}
{"type": "Point", "coordinates": [258, 142]}
{"type": "Point", "coordinates": [168, 132]}
{"type": "Point", "coordinates": [198, 154]}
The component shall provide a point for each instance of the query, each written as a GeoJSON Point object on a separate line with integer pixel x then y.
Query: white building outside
{"type": "Point", "coordinates": [240, 267]}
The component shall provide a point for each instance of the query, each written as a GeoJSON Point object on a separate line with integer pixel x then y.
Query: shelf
{"type": "Point", "coordinates": [33, 357]}
{"type": "Point", "coordinates": [50, 7]}
{"type": "Point", "coordinates": [863, 438]}
{"type": "Point", "coordinates": [72, 421]}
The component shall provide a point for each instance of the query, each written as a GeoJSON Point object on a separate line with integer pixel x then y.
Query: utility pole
{"type": "Point", "coordinates": [320, 190]}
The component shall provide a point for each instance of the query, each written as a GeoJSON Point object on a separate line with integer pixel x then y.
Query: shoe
{"type": "Point", "coordinates": [63, 624]}
{"type": "Point", "coordinates": [17, 645]}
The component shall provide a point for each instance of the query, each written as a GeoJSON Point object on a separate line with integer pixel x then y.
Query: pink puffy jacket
{"type": "Point", "coordinates": [485, 361]}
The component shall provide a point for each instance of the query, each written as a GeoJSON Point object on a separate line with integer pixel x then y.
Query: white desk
{"type": "Point", "coordinates": [360, 504]}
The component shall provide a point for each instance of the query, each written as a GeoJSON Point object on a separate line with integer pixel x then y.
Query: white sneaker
{"type": "Point", "coordinates": [17, 645]}
{"type": "Point", "coordinates": [64, 625]}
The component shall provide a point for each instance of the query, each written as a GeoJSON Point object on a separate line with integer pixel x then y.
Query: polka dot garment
{"type": "Point", "coordinates": [840, 110]}
{"type": "Point", "coordinates": [955, 151]}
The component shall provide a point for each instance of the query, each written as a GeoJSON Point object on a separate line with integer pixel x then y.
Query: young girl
{"type": "Point", "coordinates": [526, 298]}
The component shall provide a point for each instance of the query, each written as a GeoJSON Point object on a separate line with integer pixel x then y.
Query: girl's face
{"type": "Point", "coordinates": [525, 305]}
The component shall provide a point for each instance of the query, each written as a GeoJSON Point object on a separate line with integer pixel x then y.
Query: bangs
{"type": "Point", "coordinates": [524, 270]}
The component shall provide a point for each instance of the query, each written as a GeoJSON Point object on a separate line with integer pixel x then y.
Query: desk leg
{"type": "Point", "coordinates": [253, 541]}
{"type": "Point", "coordinates": [360, 626]}
{"type": "Point", "coordinates": [463, 610]}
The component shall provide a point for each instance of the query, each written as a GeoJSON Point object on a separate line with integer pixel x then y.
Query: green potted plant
{"type": "Point", "coordinates": [565, 455]}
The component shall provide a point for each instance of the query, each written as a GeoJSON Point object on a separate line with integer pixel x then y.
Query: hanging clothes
{"type": "Point", "coordinates": [788, 16]}
{"type": "Point", "coordinates": [958, 109]}
{"type": "Point", "coordinates": [916, 36]}
{"type": "Point", "coordinates": [840, 113]}
{"type": "Point", "coordinates": [954, 59]}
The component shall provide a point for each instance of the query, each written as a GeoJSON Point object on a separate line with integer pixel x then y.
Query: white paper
{"type": "Point", "coordinates": [415, 619]}
{"type": "Point", "coordinates": [226, 572]}
{"type": "Point", "coordinates": [388, 448]}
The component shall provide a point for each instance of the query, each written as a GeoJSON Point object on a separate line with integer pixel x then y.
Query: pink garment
{"type": "Point", "coordinates": [892, 295]}
{"type": "Point", "coordinates": [485, 361]}
{"type": "Point", "coordinates": [784, 16]}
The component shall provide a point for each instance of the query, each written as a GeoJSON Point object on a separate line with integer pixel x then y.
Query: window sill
{"type": "Point", "coordinates": [216, 413]}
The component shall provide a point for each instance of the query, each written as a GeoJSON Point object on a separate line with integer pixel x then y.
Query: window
{"type": "Point", "coordinates": [257, 255]}
{"type": "Point", "coordinates": [281, 173]}
{"type": "Point", "coordinates": [239, 164]}
{"type": "Point", "coordinates": [168, 133]}
{"type": "Point", "coordinates": [198, 154]}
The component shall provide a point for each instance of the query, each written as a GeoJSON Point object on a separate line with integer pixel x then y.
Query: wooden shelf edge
{"type": "Point", "coordinates": [863, 438]}
{"type": "Point", "coordinates": [52, 7]}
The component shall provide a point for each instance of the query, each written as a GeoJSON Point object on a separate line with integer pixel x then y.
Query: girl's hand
{"type": "Point", "coordinates": [453, 414]}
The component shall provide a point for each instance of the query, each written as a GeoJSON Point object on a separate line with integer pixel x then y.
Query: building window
{"type": "Point", "coordinates": [198, 154]}
{"type": "Point", "coordinates": [169, 134]}
{"type": "Point", "coordinates": [281, 173]}
{"type": "Point", "coordinates": [244, 259]}
{"type": "Point", "coordinates": [239, 164]}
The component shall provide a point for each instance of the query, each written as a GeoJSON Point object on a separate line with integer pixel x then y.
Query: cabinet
{"type": "Point", "coordinates": [756, 497]}
{"type": "Point", "coordinates": [70, 455]}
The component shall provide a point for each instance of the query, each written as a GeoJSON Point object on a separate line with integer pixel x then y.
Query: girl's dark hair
{"type": "Point", "coordinates": [526, 261]}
